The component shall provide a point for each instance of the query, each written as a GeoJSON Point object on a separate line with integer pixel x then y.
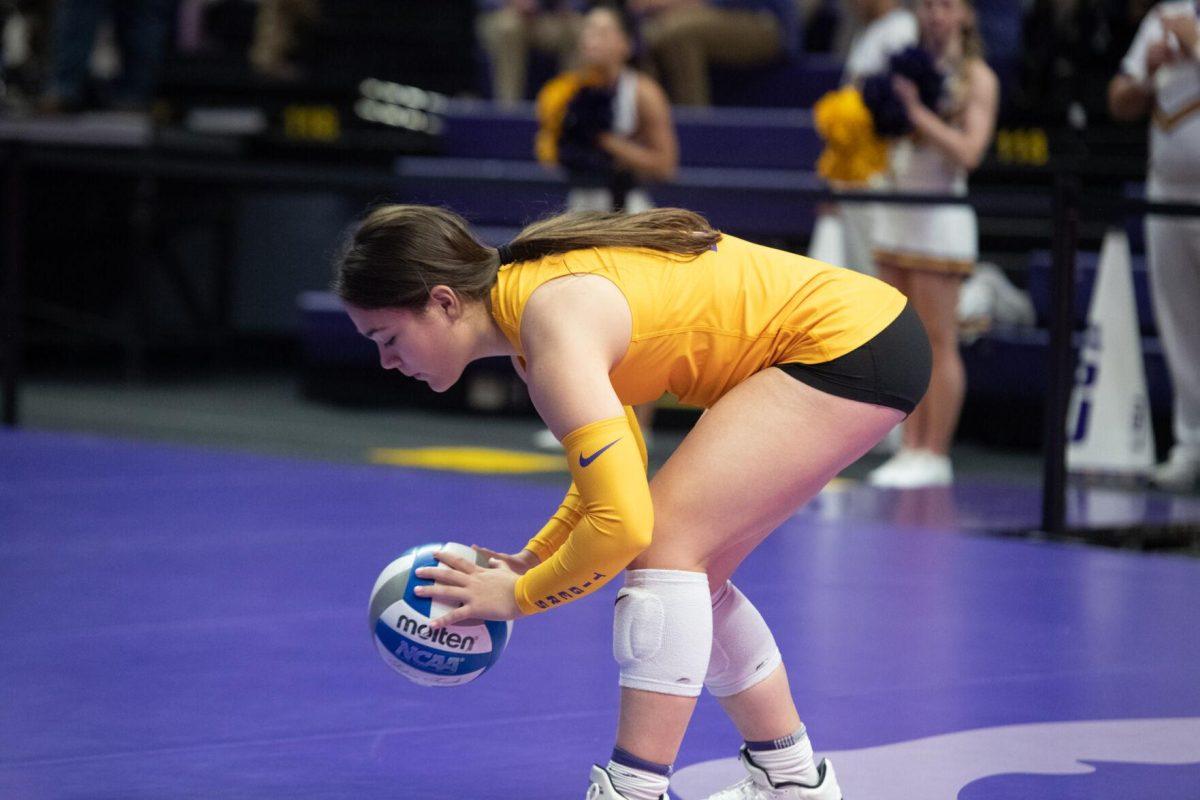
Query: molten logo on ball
{"type": "Point", "coordinates": [444, 636]}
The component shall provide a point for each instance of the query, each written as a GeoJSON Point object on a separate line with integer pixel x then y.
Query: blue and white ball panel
{"type": "Point", "coordinates": [400, 625]}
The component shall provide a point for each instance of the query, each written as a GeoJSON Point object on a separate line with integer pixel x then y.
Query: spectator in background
{"type": "Point", "coordinates": [1070, 50]}
{"type": "Point", "coordinates": [278, 29]}
{"type": "Point", "coordinates": [926, 251]}
{"type": "Point", "coordinates": [24, 48]}
{"type": "Point", "coordinates": [509, 29]}
{"type": "Point", "coordinates": [633, 142]}
{"type": "Point", "coordinates": [682, 37]}
{"type": "Point", "coordinates": [623, 134]}
{"type": "Point", "coordinates": [1160, 76]}
{"type": "Point", "coordinates": [141, 28]}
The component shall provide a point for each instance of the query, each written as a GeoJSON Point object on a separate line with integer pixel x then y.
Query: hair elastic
{"type": "Point", "coordinates": [506, 254]}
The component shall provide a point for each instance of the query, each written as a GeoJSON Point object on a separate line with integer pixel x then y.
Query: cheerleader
{"type": "Point", "coordinates": [926, 251]}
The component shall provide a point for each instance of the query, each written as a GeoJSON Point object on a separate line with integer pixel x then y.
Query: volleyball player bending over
{"type": "Point", "coordinates": [802, 367]}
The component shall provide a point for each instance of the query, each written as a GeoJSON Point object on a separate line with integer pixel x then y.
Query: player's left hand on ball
{"type": "Point", "coordinates": [485, 592]}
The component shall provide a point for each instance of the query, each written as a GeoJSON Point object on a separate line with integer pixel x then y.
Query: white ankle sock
{"type": "Point", "coordinates": [787, 759]}
{"type": "Point", "coordinates": [637, 784]}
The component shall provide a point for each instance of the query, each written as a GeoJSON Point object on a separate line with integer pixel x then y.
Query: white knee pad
{"type": "Point", "coordinates": [662, 631]}
{"type": "Point", "coordinates": [743, 650]}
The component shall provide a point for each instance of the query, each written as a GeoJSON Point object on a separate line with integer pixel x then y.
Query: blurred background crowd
{"type": "Point", "coordinates": [1054, 56]}
{"type": "Point", "coordinates": [508, 110]}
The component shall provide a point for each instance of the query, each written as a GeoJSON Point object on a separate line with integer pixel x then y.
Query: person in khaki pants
{"type": "Point", "coordinates": [508, 29]}
{"type": "Point", "coordinates": [682, 37]}
{"type": "Point", "coordinates": [1160, 78]}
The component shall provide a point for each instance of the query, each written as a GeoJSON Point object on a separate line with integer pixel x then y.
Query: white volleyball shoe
{"type": "Point", "coordinates": [602, 787]}
{"type": "Point", "coordinates": [759, 786]}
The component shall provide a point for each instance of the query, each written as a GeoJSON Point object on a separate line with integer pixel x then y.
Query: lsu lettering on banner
{"type": "Point", "coordinates": [1109, 428]}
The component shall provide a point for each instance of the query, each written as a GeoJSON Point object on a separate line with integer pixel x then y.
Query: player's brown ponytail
{"type": "Point", "coordinates": [399, 252]}
{"type": "Point", "coordinates": [672, 230]}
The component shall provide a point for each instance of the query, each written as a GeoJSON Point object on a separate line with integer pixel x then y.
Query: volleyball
{"type": "Point", "coordinates": [399, 621]}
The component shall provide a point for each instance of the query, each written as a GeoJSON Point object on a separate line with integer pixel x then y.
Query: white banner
{"type": "Point", "coordinates": [1109, 428]}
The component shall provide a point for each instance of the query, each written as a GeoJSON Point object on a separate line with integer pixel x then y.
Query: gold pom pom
{"type": "Point", "coordinates": [853, 153]}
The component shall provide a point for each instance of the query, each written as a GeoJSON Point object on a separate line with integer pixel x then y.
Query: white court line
{"type": "Point", "coordinates": [316, 737]}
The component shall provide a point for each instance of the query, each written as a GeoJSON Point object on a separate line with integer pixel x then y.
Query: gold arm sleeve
{"type": "Point", "coordinates": [616, 517]}
{"type": "Point", "coordinates": [546, 541]}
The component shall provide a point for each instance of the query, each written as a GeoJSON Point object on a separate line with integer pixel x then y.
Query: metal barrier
{"type": "Point", "coordinates": [12, 286]}
{"type": "Point", "coordinates": [1069, 199]}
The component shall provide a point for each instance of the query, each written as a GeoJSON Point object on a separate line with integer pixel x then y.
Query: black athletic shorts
{"type": "Point", "coordinates": [891, 369]}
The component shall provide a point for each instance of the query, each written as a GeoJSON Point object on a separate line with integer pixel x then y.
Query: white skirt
{"type": "Point", "coordinates": [937, 238]}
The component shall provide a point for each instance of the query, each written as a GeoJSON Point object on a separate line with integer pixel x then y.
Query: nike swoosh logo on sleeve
{"type": "Point", "coordinates": [584, 461]}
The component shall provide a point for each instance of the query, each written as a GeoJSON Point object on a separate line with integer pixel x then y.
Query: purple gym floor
{"type": "Point", "coordinates": [185, 623]}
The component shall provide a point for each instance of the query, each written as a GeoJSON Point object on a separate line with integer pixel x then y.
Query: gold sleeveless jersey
{"type": "Point", "coordinates": [702, 325]}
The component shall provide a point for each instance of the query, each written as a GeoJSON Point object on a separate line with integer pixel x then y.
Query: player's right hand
{"type": "Point", "coordinates": [519, 563]}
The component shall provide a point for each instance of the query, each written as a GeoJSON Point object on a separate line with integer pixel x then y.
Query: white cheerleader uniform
{"type": "Point", "coordinates": [932, 238]}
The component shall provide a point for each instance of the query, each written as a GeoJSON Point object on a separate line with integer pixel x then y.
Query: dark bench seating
{"type": "Point", "coordinates": [722, 137]}
{"type": "Point", "coordinates": [495, 192]}
{"type": "Point", "coordinates": [1007, 367]}
{"type": "Point", "coordinates": [790, 83]}
{"type": "Point", "coordinates": [1086, 264]}
{"type": "Point", "coordinates": [795, 83]}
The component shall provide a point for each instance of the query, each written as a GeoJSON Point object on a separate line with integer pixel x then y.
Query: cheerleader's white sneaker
{"type": "Point", "coordinates": [886, 474]}
{"type": "Point", "coordinates": [913, 469]}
